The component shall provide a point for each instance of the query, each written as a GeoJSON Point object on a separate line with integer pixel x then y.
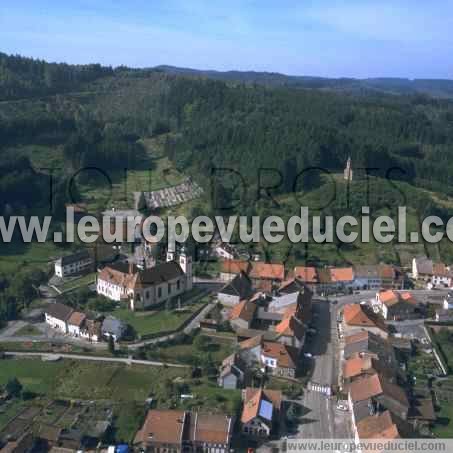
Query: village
{"type": "Point", "coordinates": [248, 358]}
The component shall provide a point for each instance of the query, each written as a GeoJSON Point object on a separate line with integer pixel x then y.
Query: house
{"type": "Point", "coordinates": [57, 316]}
{"type": "Point", "coordinates": [367, 277]}
{"type": "Point", "coordinates": [177, 431]}
{"type": "Point", "coordinates": [377, 426]}
{"type": "Point", "coordinates": [357, 316]}
{"type": "Point", "coordinates": [91, 330]}
{"type": "Point", "coordinates": [242, 315]}
{"type": "Point", "coordinates": [291, 331]}
{"type": "Point", "coordinates": [261, 412]}
{"type": "Point", "coordinates": [230, 268]}
{"type": "Point", "coordinates": [341, 278]}
{"type": "Point", "coordinates": [266, 276]}
{"type": "Point", "coordinates": [74, 264]}
{"type": "Point", "coordinates": [232, 372]}
{"type": "Point", "coordinates": [364, 342]}
{"type": "Point", "coordinates": [141, 289]}
{"type": "Point", "coordinates": [210, 432]}
{"type": "Point", "coordinates": [279, 359]}
{"type": "Point", "coordinates": [365, 364]}
{"type": "Point", "coordinates": [391, 276]}
{"type": "Point", "coordinates": [422, 268]}
{"type": "Point", "coordinates": [250, 350]}
{"type": "Point", "coordinates": [443, 315]}
{"type": "Point", "coordinates": [442, 275]}
{"type": "Point", "coordinates": [240, 288]}
{"type": "Point", "coordinates": [294, 285]}
{"type": "Point", "coordinates": [395, 305]}
{"type": "Point", "coordinates": [112, 327]}
{"type": "Point", "coordinates": [448, 302]}
{"type": "Point", "coordinates": [301, 300]}
{"type": "Point", "coordinates": [225, 251]}
{"type": "Point", "coordinates": [373, 391]}
{"type": "Point", "coordinates": [308, 275]}
{"type": "Point", "coordinates": [75, 323]}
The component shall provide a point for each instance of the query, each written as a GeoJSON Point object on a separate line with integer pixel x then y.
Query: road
{"type": "Point", "coordinates": [9, 334]}
{"type": "Point", "coordinates": [318, 419]}
{"type": "Point", "coordinates": [127, 361]}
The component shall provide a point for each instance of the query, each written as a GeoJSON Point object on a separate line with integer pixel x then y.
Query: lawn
{"type": "Point", "coordinates": [9, 410]}
{"type": "Point", "coordinates": [28, 331]}
{"type": "Point", "coordinates": [79, 282]}
{"type": "Point", "coordinates": [35, 254]}
{"type": "Point", "coordinates": [444, 425]}
{"type": "Point", "coordinates": [218, 348]}
{"type": "Point", "coordinates": [150, 322]}
{"type": "Point", "coordinates": [68, 379]}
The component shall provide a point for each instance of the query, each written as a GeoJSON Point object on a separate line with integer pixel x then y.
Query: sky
{"type": "Point", "coordinates": [329, 38]}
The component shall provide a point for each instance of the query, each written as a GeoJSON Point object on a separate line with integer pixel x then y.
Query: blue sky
{"type": "Point", "coordinates": [351, 38]}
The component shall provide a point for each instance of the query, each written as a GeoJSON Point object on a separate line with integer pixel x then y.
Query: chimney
{"type": "Point", "coordinates": [131, 268]}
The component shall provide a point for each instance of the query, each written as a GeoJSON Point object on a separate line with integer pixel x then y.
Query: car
{"type": "Point", "coordinates": [334, 302]}
{"type": "Point", "coordinates": [308, 355]}
{"type": "Point", "coordinates": [312, 331]}
{"type": "Point", "coordinates": [342, 407]}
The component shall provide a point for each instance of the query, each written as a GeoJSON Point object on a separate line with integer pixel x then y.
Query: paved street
{"type": "Point", "coordinates": [321, 419]}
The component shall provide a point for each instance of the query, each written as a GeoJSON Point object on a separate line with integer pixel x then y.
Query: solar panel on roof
{"type": "Point", "coordinates": [265, 410]}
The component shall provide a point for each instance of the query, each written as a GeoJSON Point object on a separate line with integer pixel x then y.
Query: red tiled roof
{"type": "Point", "coordinates": [358, 315]}
{"type": "Point", "coordinates": [286, 356]}
{"type": "Point", "coordinates": [163, 426]}
{"type": "Point", "coordinates": [355, 337]}
{"type": "Point", "coordinates": [379, 426]}
{"type": "Point", "coordinates": [291, 327]}
{"type": "Point", "coordinates": [234, 266]}
{"type": "Point", "coordinates": [306, 274]}
{"type": "Point", "coordinates": [243, 310]}
{"type": "Point", "coordinates": [341, 274]}
{"type": "Point", "coordinates": [356, 366]}
{"type": "Point", "coordinates": [251, 342]}
{"type": "Point", "coordinates": [77, 318]}
{"type": "Point", "coordinates": [390, 298]}
{"type": "Point", "coordinates": [252, 400]}
{"type": "Point", "coordinates": [365, 388]}
{"type": "Point", "coordinates": [210, 428]}
{"type": "Point", "coordinates": [386, 271]}
{"type": "Point", "coordinates": [268, 271]}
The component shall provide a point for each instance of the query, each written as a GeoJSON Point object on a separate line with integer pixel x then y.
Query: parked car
{"type": "Point", "coordinates": [308, 355]}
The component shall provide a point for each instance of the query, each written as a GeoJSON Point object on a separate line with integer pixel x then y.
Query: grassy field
{"type": "Point", "coordinates": [87, 380]}
{"type": "Point", "coordinates": [16, 255]}
{"type": "Point", "coordinates": [146, 322]}
{"type": "Point", "coordinates": [444, 425]}
{"type": "Point", "coordinates": [218, 348]}
{"type": "Point", "coordinates": [79, 282]}
{"type": "Point", "coordinates": [28, 330]}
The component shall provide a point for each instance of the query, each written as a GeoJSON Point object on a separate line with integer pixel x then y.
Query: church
{"type": "Point", "coordinates": [144, 288]}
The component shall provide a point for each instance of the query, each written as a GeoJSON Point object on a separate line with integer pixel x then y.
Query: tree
{"type": "Point", "coordinates": [111, 345]}
{"type": "Point", "coordinates": [13, 387]}
{"type": "Point", "coordinates": [201, 343]}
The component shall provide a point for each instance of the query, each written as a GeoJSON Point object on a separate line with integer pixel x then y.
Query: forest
{"type": "Point", "coordinates": [267, 134]}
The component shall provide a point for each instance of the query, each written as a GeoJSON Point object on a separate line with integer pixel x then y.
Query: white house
{"type": "Point", "coordinates": [448, 302]}
{"type": "Point", "coordinates": [225, 251]}
{"type": "Point", "coordinates": [144, 288]}
{"type": "Point", "coordinates": [76, 323]}
{"type": "Point", "coordinates": [240, 288]}
{"type": "Point", "coordinates": [91, 330]}
{"type": "Point", "coordinates": [74, 264]}
{"type": "Point", "coordinates": [261, 410]}
{"type": "Point", "coordinates": [57, 316]}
